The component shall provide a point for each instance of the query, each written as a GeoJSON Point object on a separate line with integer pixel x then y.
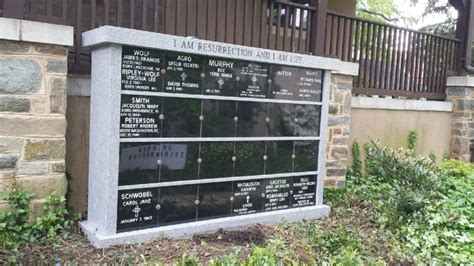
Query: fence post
{"type": "Point", "coordinates": [14, 9]}
{"type": "Point", "coordinates": [318, 27]}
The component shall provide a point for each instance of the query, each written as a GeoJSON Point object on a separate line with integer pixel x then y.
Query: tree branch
{"type": "Point", "coordinates": [378, 14]}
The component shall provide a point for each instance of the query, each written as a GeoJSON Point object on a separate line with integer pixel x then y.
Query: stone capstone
{"type": "Point", "coordinates": [22, 76]}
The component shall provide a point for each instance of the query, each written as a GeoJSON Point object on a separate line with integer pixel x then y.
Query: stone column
{"type": "Point", "coordinates": [460, 91]}
{"type": "Point", "coordinates": [338, 130]}
{"type": "Point", "coordinates": [33, 80]}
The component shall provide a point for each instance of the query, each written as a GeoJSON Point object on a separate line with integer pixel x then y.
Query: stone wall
{"type": "Point", "coordinates": [460, 92]}
{"type": "Point", "coordinates": [33, 80]}
{"type": "Point", "coordinates": [338, 130]}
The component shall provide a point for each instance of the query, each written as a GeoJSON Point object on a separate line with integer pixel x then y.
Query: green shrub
{"type": "Point", "coordinates": [355, 171]}
{"type": "Point", "coordinates": [404, 181]}
{"type": "Point", "coordinates": [443, 231]}
{"type": "Point", "coordinates": [16, 228]}
{"type": "Point", "coordinates": [412, 139]}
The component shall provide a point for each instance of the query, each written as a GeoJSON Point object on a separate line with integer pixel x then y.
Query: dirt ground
{"type": "Point", "coordinates": [76, 249]}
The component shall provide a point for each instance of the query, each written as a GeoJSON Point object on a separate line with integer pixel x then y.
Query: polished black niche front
{"type": "Point", "coordinates": [141, 69]}
{"type": "Point", "coordinates": [212, 137]}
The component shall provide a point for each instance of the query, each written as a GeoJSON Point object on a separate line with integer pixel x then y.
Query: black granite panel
{"type": "Point", "coordinates": [216, 159]}
{"type": "Point", "coordinates": [141, 69]}
{"type": "Point", "coordinates": [177, 204]}
{"type": "Point", "coordinates": [308, 120]}
{"type": "Point", "coordinates": [309, 85]}
{"type": "Point", "coordinates": [277, 193]}
{"type": "Point", "coordinates": [306, 156]}
{"type": "Point", "coordinates": [139, 116]}
{"type": "Point", "coordinates": [284, 79]}
{"type": "Point", "coordinates": [278, 157]}
{"type": "Point", "coordinates": [249, 158]}
{"type": "Point", "coordinates": [215, 200]}
{"type": "Point", "coordinates": [219, 118]}
{"type": "Point", "coordinates": [179, 161]}
{"type": "Point", "coordinates": [292, 83]}
{"type": "Point", "coordinates": [252, 119]}
{"type": "Point", "coordinates": [304, 191]}
{"type": "Point", "coordinates": [183, 73]}
{"type": "Point", "coordinates": [247, 197]}
{"type": "Point", "coordinates": [181, 117]}
{"type": "Point", "coordinates": [253, 80]}
{"type": "Point", "coordinates": [136, 209]}
{"type": "Point", "coordinates": [220, 77]}
{"type": "Point", "coordinates": [281, 119]}
{"type": "Point", "coordinates": [139, 163]}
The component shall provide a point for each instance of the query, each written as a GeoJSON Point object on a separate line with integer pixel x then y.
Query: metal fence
{"type": "Point", "coordinates": [393, 61]}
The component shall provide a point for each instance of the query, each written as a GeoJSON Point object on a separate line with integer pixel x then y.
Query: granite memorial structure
{"type": "Point", "coordinates": [190, 136]}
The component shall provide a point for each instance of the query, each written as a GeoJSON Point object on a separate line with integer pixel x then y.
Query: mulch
{"type": "Point", "coordinates": [76, 248]}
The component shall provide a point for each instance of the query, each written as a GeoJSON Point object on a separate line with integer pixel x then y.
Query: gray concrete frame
{"type": "Point", "coordinates": [106, 45]}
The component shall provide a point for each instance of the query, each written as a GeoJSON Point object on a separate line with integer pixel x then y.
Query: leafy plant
{"type": "Point", "coordinates": [16, 228]}
{"type": "Point", "coordinates": [187, 260]}
{"type": "Point", "coordinates": [407, 181]}
{"type": "Point", "coordinates": [412, 139]}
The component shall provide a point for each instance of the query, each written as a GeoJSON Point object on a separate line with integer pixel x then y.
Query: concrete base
{"type": "Point", "coordinates": [187, 230]}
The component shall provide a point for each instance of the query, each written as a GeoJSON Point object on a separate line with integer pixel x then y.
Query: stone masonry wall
{"type": "Point", "coordinates": [462, 134]}
{"type": "Point", "coordinates": [338, 130]}
{"type": "Point", "coordinates": [33, 80]}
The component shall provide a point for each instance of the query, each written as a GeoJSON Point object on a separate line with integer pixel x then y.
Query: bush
{"type": "Point", "coordinates": [443, 231]}
{"type": "Point", "coordinates": [401, 182]}
{"type": "Point", "coordinates": [16, 227]}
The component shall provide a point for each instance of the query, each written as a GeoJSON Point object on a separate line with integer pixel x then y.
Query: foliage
{"type": "Point", "coordinates": [412, 139]}
{"type": "Point", "coordinates": [355, 171]}
{"type": "Point", "coordinates": [16, 227]}
{"type": "Point", "coordinates": [443, 231]}
{"type": "Point", "coordinates": [378, 10]}
{"type": "Point", "coordinates": [427, 211]}
{"type": "Point", "coordinates": [187, 260]}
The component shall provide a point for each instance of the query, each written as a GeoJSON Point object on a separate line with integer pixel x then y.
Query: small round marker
{"type": "Point", "coordinates": [265, 157]}
{"type": "Point", "coordinates": [293, 156]}
{"type": "Point", "coordinates": [199, 160]}
{"type": "Point", "coordinates": [237, 78]}
{"type": "Point", "coordinates": [158, 207]}
{"type": "Point", "coordinates": [236, 118]}
{"type": "Point", "coordinates": [234, 158]}
{"type": "Point", "coordinates": [269, 81]}
{"type": "Point", "coordinates": [263, 195]}
{"type": "Point", "coordinates": [196, 202]}
{"type": "Point", "coordinates": [201, 117]}
{"type": "Point", "coordinates": [163, 71]}
{"type": "Point", "coordinates": [159, 162]}
{"type": "Point", "coordinates": [267, 119]}
{"type": "Point", "coordinates": [203, 75]}
{"type": "Point", "coordinates": [162, 116]}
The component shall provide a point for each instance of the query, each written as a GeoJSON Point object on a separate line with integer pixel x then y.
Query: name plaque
{"type": "Point", "coordinates": [200, 135]}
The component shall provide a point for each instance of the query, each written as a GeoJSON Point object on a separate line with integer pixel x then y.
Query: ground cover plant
{"type": "Point", "coordinates": [397, 208]}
